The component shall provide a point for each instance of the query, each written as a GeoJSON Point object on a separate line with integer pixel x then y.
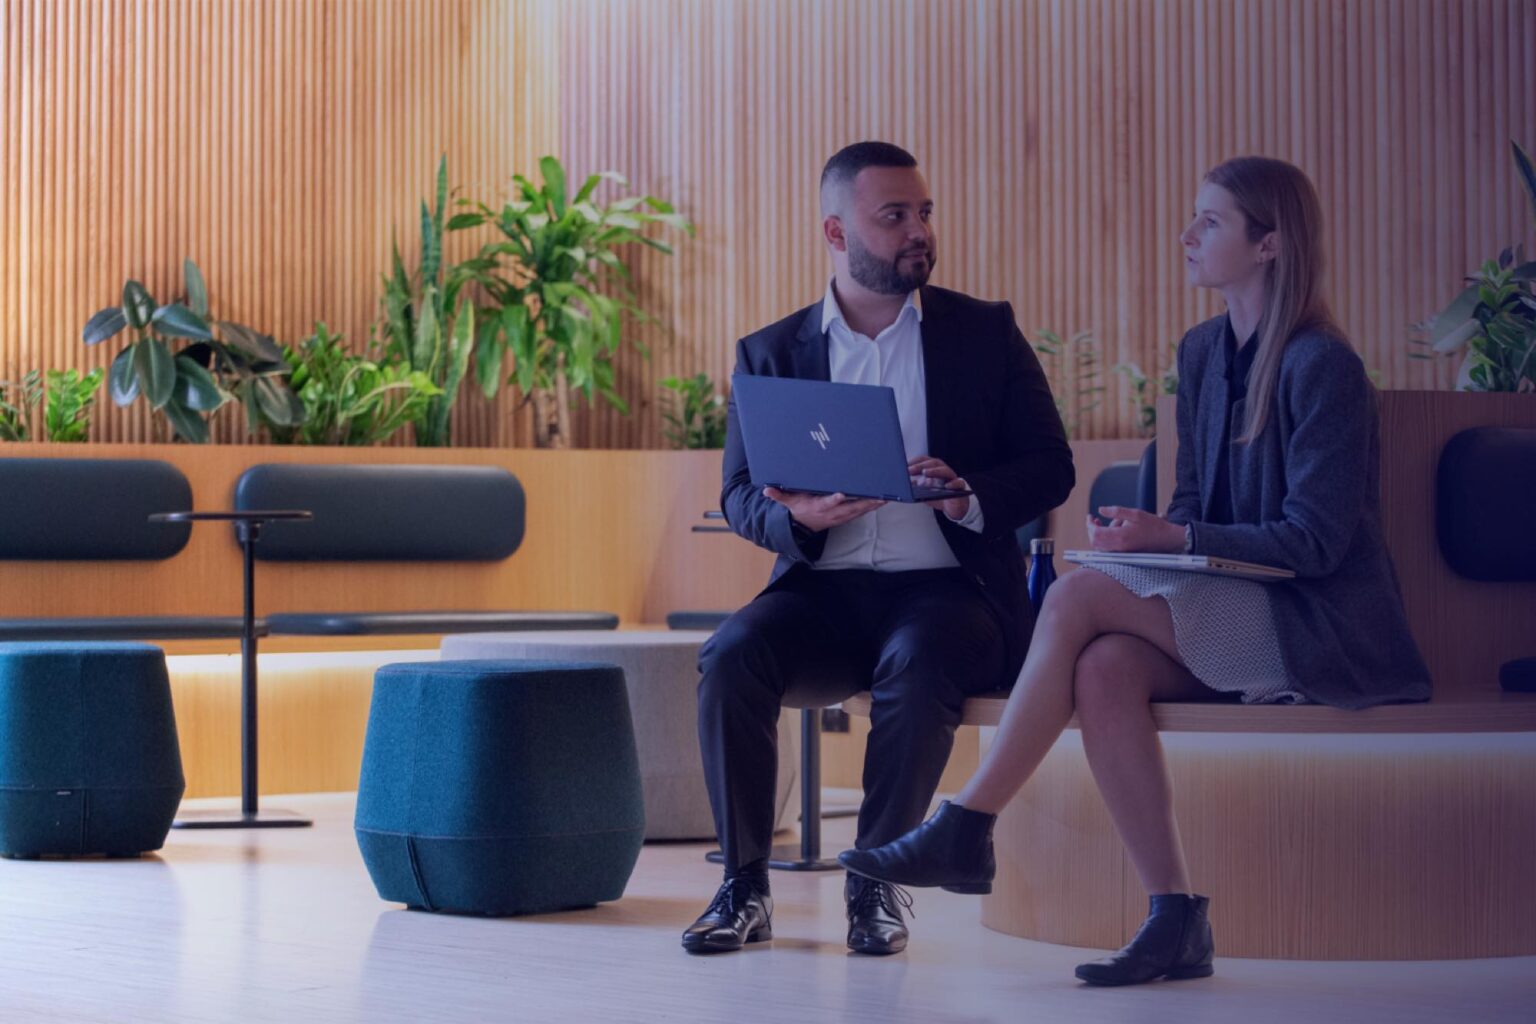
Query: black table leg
{"type": "Point", "coordinates": [250, 815]}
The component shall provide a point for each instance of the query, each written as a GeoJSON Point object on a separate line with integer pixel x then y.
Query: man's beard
{"type": "Point", "coordinates": [884, 277]}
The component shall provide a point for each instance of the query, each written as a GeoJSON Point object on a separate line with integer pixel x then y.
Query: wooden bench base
{"type": "Point", "coordinates": [1411, 836]}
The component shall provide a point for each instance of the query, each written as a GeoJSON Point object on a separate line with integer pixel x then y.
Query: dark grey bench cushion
{"type": "Point", "coordinates": [156, 627]}
{"type": "Point", "coordinates": [387, 513]}
{"type": "Point", "coordinates": [90, 509]}
{"type": "Point", "coordinates": [1486, 477]}
{"type": "Point", "coordinates": [406, 623]}
{"type": "Point", "coordinates": [696, 619]}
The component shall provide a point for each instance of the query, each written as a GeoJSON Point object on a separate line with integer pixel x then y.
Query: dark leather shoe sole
{"type": "Point", "coordinates": [969, 888]}
{"type": "Point", "coordinates": [877, 948]}
{"type": "Point", "coordinates": [1087, 975]}
{"type": "Point", "coordinates": [702, 944]}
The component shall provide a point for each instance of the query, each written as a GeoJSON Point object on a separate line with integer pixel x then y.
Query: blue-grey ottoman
{"type": "Point", "coordinates": [499, 787]}
{"type": "Point", "coordinates": [89, 760]}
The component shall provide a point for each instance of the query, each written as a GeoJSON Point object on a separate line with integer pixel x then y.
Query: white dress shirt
{"type": "Point", "coordinates": [896, 537]}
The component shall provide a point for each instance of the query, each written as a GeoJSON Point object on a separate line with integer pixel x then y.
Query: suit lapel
{"type": "Point", "coordinates": [809, 359]}
{"type": "Point", "coordinates": [941, 383]}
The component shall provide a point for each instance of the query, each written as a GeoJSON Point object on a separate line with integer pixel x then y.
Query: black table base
{"type": "Point", "coordinates": [806, 854]}
{"type": "Point", "coordinates": [248, 524]}
{"type": "Point", "coordinates": [220, 818]}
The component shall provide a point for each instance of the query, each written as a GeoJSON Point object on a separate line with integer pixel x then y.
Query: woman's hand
{"type": "Point", "coordinates": [1131, 529]}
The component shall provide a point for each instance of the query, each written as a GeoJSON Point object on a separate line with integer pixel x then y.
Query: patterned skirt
{"type": "Point", "coordinates": [1224, 627]}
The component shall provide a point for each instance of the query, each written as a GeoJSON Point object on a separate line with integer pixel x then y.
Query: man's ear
{"type": "Point", "coordinates": [832, 231]}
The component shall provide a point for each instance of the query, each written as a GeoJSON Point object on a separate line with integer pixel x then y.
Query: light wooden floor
{"type": "Point", "coordinates": [284, 926]}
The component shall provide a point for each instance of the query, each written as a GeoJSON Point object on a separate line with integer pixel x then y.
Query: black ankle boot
{"type": "Point", "coordinates": [1173, 942]}
{"type": "Point", "coordinates": [952, 850]}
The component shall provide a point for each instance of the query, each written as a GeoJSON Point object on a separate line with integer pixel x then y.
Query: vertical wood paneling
{"type": "Point", "coordinates": [283, 146]}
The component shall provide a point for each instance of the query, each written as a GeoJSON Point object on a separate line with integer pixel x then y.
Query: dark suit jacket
{"type": "Point", "coordinates": [1305, 497]}
{"type": "Point", "coordinates": [991, 417]}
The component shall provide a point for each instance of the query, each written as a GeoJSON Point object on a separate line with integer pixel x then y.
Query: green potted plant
{"type": "Point", "coordinates": [558, 290]}
{"type": "Point", "coordinates": [1072, 367]}
{"type": "Point", "coordinates": [699, 417]}
{"type": "Point", "coordinates": [18, 402]}
{"type": "Point", "coordinates": [225, 360]}
{"type": "Point", "coordinates": [427, 327]}
{"type": "Point", "coordinates": [1493, 320]}
{"type": "Point", "coordinates": [1146, 390]}
{"type": "Point", "coordinates": [66, 398]}
{"type": "Point", "coordinates": [350, 399]}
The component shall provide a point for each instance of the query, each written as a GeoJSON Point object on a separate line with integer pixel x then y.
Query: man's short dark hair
{"type": "Point", "coordinates": [847, 162]}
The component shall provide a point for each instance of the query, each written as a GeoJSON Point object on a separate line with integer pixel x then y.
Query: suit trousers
{"type": "Point", "coordinates": [920, 641]}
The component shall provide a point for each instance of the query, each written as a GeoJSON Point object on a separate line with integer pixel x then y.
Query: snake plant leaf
{"type": "Point", "coordinates": [122, 380]}
{"type": "Point", "coordinates": [425, 346]}
{"type": "Point", "coordinates": [104, 324]}
{"type": "Point", "coordinates": [178, 321]}
{"type": "Point", "coordinates": [156, 369]}
{"type": "Point", "coordinates": [138, 307]}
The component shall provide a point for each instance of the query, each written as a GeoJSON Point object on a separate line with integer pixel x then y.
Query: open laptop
{"type": "Point", "coordinates": [1185, 563]}
{"type": "Point", "coordinates": [824, 438]}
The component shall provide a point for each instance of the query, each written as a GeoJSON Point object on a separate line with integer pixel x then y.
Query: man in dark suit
{"type": "Point", "coordinates": [922, 606]}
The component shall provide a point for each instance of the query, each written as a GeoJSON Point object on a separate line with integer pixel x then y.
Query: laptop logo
{"type": "Point", "coordinates": [820, 435]}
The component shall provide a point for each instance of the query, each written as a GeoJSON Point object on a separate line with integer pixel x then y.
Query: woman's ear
{"type": "Point", "coordinates": [1269, 247]}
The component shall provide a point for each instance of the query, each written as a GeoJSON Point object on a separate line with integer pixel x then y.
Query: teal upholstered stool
{"type": "Point", "coordinates": [499, 787]}
{"type": "Point", "coordinates": [89, 761]}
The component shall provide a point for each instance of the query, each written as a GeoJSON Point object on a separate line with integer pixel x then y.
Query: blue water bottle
{"type": "Point", "coordinates": [1042, 573]}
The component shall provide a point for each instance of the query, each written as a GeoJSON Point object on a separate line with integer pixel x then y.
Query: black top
{"type": "Point", "coordinates": [1239, 362]}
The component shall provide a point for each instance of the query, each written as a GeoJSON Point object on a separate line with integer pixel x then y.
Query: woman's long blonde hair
{"type": "Point", "coordinates": [1276, 196]}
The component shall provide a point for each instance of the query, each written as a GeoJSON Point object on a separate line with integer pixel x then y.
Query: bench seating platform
{"type": "Point", "coordinates": [1400, 832]}
{"type": "Point", "coordinates": [1492, 711]}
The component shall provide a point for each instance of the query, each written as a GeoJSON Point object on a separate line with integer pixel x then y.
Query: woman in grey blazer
{"type": "Point", "coordinates": [1278, 464]}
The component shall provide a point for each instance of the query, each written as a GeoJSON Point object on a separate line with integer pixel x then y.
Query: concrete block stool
{"type": "Point", "coordinates": [89, 761]}
{"type": "Point", "coordinates": [661, 669]}
{"type": "Point", "coordinates": [499, 787]}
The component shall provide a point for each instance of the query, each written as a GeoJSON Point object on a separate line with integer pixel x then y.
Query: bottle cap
{"type": "Point", "coordinates": [1042, 546]}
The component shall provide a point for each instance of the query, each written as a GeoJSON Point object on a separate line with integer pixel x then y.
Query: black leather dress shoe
{"type": "Point", "coordinates": [875, 924]}
{"type": "Point", "coordinates": [1173, 942]}
{"type": "Point", "coordinates": [952, 850]}
{"type": "Point", "coordinates": [740, 913]}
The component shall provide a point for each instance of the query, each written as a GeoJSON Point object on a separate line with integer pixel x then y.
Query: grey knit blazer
{"type": "Point", "coordinates": [1306, 496]}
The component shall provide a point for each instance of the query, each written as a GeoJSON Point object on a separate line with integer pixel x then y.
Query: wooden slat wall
{"type": "Point", "coordinates": [281, 145]}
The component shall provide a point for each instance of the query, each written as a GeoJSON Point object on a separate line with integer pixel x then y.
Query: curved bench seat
{"type": "Point", "coordinates": [1485, 712]}
{"type": "Point", "coordinates": [1402, 832]}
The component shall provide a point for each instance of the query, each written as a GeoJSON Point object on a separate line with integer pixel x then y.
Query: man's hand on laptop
{"type": "Point", "coordinates": [1131, 529]}
{"type": "Point", "coordinates": [817, 512]}
{"type": "Point", "coordinates": [927, 471]}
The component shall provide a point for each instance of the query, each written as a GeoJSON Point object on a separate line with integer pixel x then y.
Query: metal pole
{"type": "Point", "coordinates": [810, 784]}
{"type": "Point", "coordinates": [247, 533]}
